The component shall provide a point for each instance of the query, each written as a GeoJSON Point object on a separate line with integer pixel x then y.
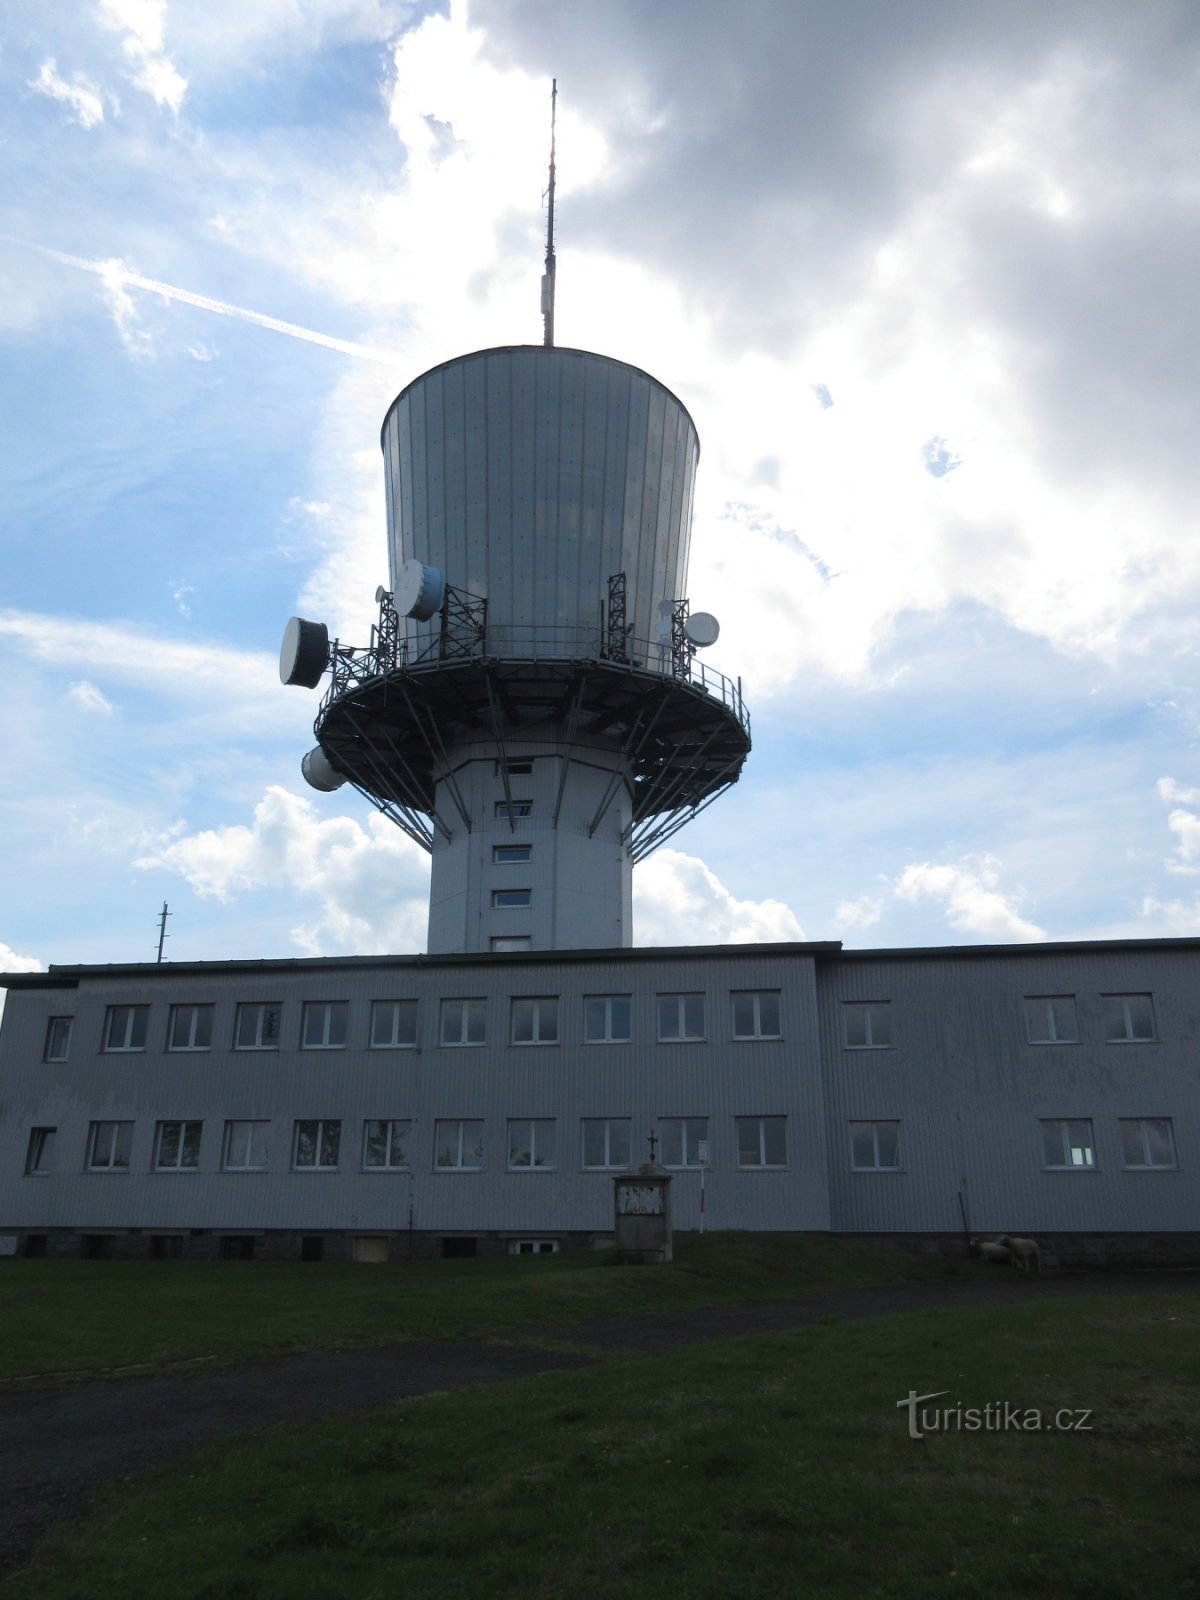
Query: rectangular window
{"type": "Point", "coordinates": [680, 1016]}
{"type": "Point", "coordinates": [177, 1147]}
{"type": "Point", "coordinates": [246, 1146]}
{"type": "Point", "coordinates": [109, 1145]}
{"type": "Point", "coordinates": [190, 1028]}
{"type": "Point", "coordinates": [762, 1141]}
{"type": "Point", "coordinates": [535, 1020]}
{"type": "Point", "coordinates": [393, 1025]}
{"type": "Point", "coordinates": [257, 1026]}
{"type": "Point", "coordinates": [1148, 1141]}
{"type": "Point", "coordinates": [506, 810]}
{"type": "Point", "coordinates": [868, 1024]}
{"type": "Point", "coordinates": [1050, 1019]}
{"type": "Point", "coordinates": [1128, 1018]}
{"type": "Point", "coordinates": [125, 1027]}
{"type": "Point", "coordinates": [1068, 1144]}
{"type": "Point", "coordinates": [324, 1025]}
{"type": "Point", "coordinates": [462, 1022]}
{"type": "Point", "coordinates": [316, 1146]}
{"type": "Point", "coordinates": [606, 1018]}
{"type": "Point", "coordinates": [40, 1153]}
{"type": "Point", "coordinates": [606, 1141]}
{"type": "Point", "coordinates": [511, 941]}
{"type": "Point", "coordinates": [386, 1145]}
{"type": "Point", "coordinates": [458, 1146]}
{"type": "Point", "coordinates": [516, 769]}
{"type": "Point", "coordinates": [875, 1146]}
{"type": "Point", "coordinates": [756, 1014]}
{"type": "Point", "coordinates": [532, 1142]}
{"type": "Point", "coordinates": [58, 1038]}
{"type": "Point", "coordinates": [511, 899]}
{"type": "Point", "coordinates": [682, 1138]}
{"type": "Point", "coordinates": [511, 855]}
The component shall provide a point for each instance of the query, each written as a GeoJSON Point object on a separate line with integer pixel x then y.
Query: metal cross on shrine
{"type": "Point", "coordinates": [653, 1144]}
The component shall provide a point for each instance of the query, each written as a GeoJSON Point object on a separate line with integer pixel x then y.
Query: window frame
{"type": "Point", "coordinates": [512, 855]}
{"type": "Point", "coordinates": [53, 1025]}
{"type": "Point", "coordinates": [510, 943]}
{"type": "Point", "coordinates": [196, 1011]}
{"type": "Point", "coordinates": [122, 1131]}
{"type": "Point", "coordinates": [762, 1164]}
{"type": "Point", "coordinates": [681, 998]}
{"type": "Point", "coordinates": [537, 1002]}
{"type": "Point", "coordinates": [512, 899]}
{"type": "Point", "coordinates": [263, 1008]}
{"type": "Point", "coordinates": [464, 1041]}
{"type": "Point", "coordinates": [1049, 1023]}
{"type": "Point", "coordinates": [512, 810]}
{"type": "Point", "coordinates": [756, 996]}
{"type": "Point", "coordinates": [39, 1151]}
{"type": "Point", "coordinates": [533, 1164]}
{"type": "Point", "coordinates": [875, 1123]}
{"type": "Point", "coordinates": [1129, 1037]}
{"type": "Point", "coordinates": [1064, 1125]}
{"type": "Point", "coordinates": [1146, 1165]}
{"type": "Point", "coordinates": [318, 1163]}
{"type": "Point", "coordinates": [608, 1164]}
{"type": "Point", "coordinates": [461, 1124]}
{"type": "Point", "coordinates": [252, 1123]}
{"type": "Point", "coordinates": [330, 1008]}
{"type": "Point", "coordinates": [867, 1008]}
{"type": "Point", "coordinates": [686, 1141]}
{"type": "Point", "coordinates": [400, 1007]}
{"type": "Point", "coordinates": [135, 1013]}
{"type": "Point", "coordinates": [608, 1036]}
{"type": "Point", "coordinates": [389, 1124]}
{"type": "Point", "coordinates": [183, 1125]}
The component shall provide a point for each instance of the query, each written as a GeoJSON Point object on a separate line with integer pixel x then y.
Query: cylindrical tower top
{"type": "Point", "coordinates": [530, 476]}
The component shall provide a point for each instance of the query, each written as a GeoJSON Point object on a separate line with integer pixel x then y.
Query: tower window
{"type": "Point", "coordinates": [511, 899]}
{"type": "Point", "coordinates": [510, 855]}
{"type": "Point", "coordinates": [516, 769]}
{"type": "Point", "coordinates": [507, 809]}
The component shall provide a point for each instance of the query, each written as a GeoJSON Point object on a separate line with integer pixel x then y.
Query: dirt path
{"type": "Point", "coordinates": [57, 1446]}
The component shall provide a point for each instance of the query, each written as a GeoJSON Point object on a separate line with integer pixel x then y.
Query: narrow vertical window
{"type": "Point", "coordinates": [58, 1038]}
{"type": "Point", "coordinates": [40, 1152]}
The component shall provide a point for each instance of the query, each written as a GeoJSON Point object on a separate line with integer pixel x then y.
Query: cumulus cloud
{"type": "Point", "coordinates": [370, 884]}
{"type": "Point", "coordinates": [678, 900]}
{"type": "Point", "coordinates": [81, 97]}
{"type": "Point", "coordinates": [1185, 825]}
{"type": "Point", "coordinates": [143, 24]}
{"type": "Point", "coordinates": [970, 894]}
{"type": "Point", "coordinates": [864, 912]}
{"type": "Point", "coordinates": [10, 961]}
{"type": "Point", "coordinates": [88, 698]}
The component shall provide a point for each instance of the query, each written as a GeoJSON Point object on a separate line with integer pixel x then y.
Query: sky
{"type": "Point", "coordinates": [924, 276]}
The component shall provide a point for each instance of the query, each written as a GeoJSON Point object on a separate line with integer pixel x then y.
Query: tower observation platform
{"type": "Point", "coordinates": [531, 707]}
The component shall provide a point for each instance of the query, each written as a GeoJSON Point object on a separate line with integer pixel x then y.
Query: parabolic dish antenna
{"type": "Point", "coordinates": [702, 629]}
{"type": "Point", "coordinates": [304, 652]}
{"type": "Point", "coordinates": [319, 771]}
{"type": "Point", "coordinates": [419, 590]}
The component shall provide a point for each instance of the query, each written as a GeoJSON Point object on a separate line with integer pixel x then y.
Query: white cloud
{"type": "Point", "coordinates": [1174, 918]}
{"type": "Point", "coordinates": [1185, 825]}
{"type": "Point", "coordinates": [974, 904]}
{"type": "Point", "coordinates": [10, 961]}
{"type": "Point", "coordinates": [81, 96]}
{"type": "Point", "coordinates": [678, 900]}
{"type": "Point", "coordinates": [88, 698]}
{"type": "Point", "coordinates": [143, 23]}
{"type": "Point", "coordinates": [370, 884]}
{"type": "Point", "coordinates": [138, 342]}
{"type": "Point", "coordinates": [864, 912]}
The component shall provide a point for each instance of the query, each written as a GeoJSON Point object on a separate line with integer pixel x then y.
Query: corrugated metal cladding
{"type": "Point", "coordinates": [951, 1082]}
{"type": "Point", "coordinates": [532, 475]}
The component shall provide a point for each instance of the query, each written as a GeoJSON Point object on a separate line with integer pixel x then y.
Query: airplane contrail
{"type": "Point", "coordinates": [116, 272]}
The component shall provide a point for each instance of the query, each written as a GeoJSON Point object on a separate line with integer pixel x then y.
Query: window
{"type": "Point", "coordinates": [58, 1038]}
{"type": "Point", "coordinates": [1068, 1144]}
{"type": "Point", "coordinates": [516, 769]}
{"type": "Point", "coordinates": [868, 1024]}
{"type": "Point", "coordinates": [875, 1146]}
{"type": "Point", "coordinates": [38, 1157]}
{"type": "Point", "coordinates": [177, 1147]}
{"type": "Point", "coordinates": [606, 1018]}
{"type": "Point", "coordinates": [756, 1014]}
{"type": "Point", "coordinates": [513, 942]}
{"type": "Point", "coordinates": [458, 1146]}
{"type": "Point", "coordinates": [506, 810]}
{"type": "Point", "coordinates": [108, 1146]}
{"type": "Point", "coordinates": [393, 1025]}
{"type": "Point", "coordinates": [1128, 1018]}
{"type": "Point", "coordinates": [190, 1028]}
{"type": "Point", "coordinates": [510, 855]}
{"type": "Point", "coordinates": [762, 1141]}
{"type": "Point", "coordinates": [324, 1025]}
{"type": "Point", "coordinates": [462, 1022]}
{"type": "Point", "coordinates": [316, 1146]}
{"type": "Point", "coordinates": [684, 1141]}
{"type": "Point", "coordinates": [511, 899]}
{"type": "Point", "coordinates": [125, 1027]}
{"type": "Point", "coordinates": [680, 1016]}
{"type": "Point", "coordinates": [257, 1027]}
{"type": "Point", "coordinates": [532, 1142]}
{"type": "Point", "coordinates": [1050, 1019]}
{"type": "Point", "coordinates": [606, 1142]}
{"type": "Point", "coordinates": [166, 1247]}
{"type": "Point", "coordinates": [1148, 1141]}
{"type": "Point", "coordinates": [535, 1021]}
{"type": "Point", "coordinates": [246, 1146]}
{"type": "Point", "coordinates": [533, 1247]}
{"type": "Point", "coordinates": [386, 1145]}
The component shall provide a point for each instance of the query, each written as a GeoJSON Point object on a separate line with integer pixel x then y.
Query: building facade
{"type": "Point", "coordinates": [375, 1107]}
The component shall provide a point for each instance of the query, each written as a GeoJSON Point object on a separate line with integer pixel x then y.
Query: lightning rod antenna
{"type": "Point", "coordinates": [548, 275]}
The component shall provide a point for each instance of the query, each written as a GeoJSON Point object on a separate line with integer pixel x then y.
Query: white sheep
{"type": "Point", "coordinates": [991, 1250]}
{"type": "Point", "coordinates": [1024, 1252]}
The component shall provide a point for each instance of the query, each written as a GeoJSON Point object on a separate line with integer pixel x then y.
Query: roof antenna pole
{"type": "Point", "coordinates": [162, 929]}
{"type": "Point", "coordinates": [548, 275]}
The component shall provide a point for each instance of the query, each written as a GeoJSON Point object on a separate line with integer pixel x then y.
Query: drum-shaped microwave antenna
{"type": "Point", "coordinates": [419, 590]}
{"type": "Point", "coordinates": [319, 772]}
{"type": "Point", "coordinates": [304, 653]}
{"type": "Point", "coordinates": [702, 629]}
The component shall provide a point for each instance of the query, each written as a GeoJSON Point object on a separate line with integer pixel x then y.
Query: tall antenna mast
{"type": "Point", "coordinates": [548, 275]}
{"type": "Point", "coordinates": [163, 935]}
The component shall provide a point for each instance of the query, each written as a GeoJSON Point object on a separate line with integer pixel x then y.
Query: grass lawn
{"type": "Point", "coordinates": [88, 1316]}
{"type": "Point", "coordinates": [771, 1466]}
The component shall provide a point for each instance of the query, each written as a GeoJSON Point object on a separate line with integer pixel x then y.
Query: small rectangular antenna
{"type": "Point", "coordinates": [548, 275]}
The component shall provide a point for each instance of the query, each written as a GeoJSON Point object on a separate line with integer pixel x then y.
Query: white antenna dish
{"type": "Point", "coordinates": [702, 629]}
{"type": "Point", "coordinates": [380, 594]}
{"type": "Point", "coordinates": [304, 653]}
{"type": "Point", "coordinates": [319, 771]}
{"type": "Point", "coordinates": [419, 590]}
